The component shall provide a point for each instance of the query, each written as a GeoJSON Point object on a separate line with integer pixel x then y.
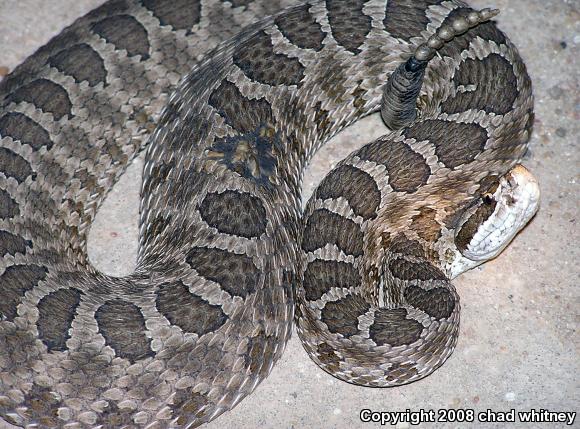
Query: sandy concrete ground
{"type": "Point", "coordinates": [519, 345]}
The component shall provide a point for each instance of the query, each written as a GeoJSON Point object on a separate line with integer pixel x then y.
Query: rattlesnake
{"type": "Point", "coordinates": [223, 266]}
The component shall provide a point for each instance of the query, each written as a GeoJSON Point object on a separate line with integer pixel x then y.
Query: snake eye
{"type": "Point", "coordinates": [488, 199]}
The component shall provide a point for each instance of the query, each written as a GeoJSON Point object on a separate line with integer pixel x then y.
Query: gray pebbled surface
{"type": "Point", "coordinates": [519, 345]}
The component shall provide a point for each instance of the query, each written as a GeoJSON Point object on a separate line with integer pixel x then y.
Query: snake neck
{"type": "Point", "coordinates": [401, 260]}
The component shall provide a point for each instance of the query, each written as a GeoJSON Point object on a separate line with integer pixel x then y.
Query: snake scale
{"type": "Point", "coordinates": [227, 260]}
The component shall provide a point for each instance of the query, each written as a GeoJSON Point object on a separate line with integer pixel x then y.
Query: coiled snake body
{"type": "Point", "coordinates": [225, 261]}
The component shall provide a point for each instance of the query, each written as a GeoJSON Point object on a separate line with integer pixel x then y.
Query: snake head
{"type": "Point", "coordinates": [495, 218]}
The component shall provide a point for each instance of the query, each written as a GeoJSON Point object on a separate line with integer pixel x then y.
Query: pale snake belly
{"type": "Point", "coordinates": [223, 269]}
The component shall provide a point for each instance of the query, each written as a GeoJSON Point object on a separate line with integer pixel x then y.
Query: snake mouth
{"type": "Point", "coordinates": [501, 215]}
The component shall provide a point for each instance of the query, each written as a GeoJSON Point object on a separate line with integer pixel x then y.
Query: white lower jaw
{"type": "Point", "coordinates": [490, 240]}
{"type": "Point", "coordinates": [493, 236]}
{"type": "Point", "coordinates": [461, 264]}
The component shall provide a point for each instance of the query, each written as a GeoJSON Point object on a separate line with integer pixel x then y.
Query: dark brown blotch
{"type": "Point", "coordinates": [289, 285]}
{"type": "Point", "coordinates": [341, 316]}
{"type": "Point", "coordinates": [438, 302]}
{"type": "Point", "coordinates": [406, 270]}
{"type": "Point", "coordinates": [510, 142]}
{"type": "Point", "coordinates": [32, 66]}
{"type": "Point", "coordinates": [156, 227]}
{"type": "Point", "coordinates": [8, 207]}
{"type": "Point", "coordinates": [188, 405]}
{"type": "Point", "coordinates": [322, 120]}
{"type": "Point", "coordinates": [82, 63]}
{"type": "Point", "coordinates": [43, 404]}
{"type": "Point", "coordinates": [301, 29]}
{"type": "Point", "coordinates": [496, 86]}
{"type": "Point", "coordinates": [469, 228]}
{"type": "Point", "coordinates": [349, 25]}
{"type": "Point", "coordinates": [400, 244]}
{"type": "Point", "coordinates": [233, 212]}
{"type": "Point", "coordinates": [393, 328]}
{"type": "Point", "coordinates": [114, 417]}
{"type": "Point", "coordinates": [46, 95]}
{"type": "Point", "coordinates": [325, 227]}
{"type": "Point", "coordinates": [23, 129]}
{"type": "Point", "coordinates": [56, 313]}
{"type": "Point", "coordinates": [179, 14]}
{"type": "Point", "coordinates": [111, 7]}
{"type": "Point", "coordinates": [252, 154]}
{"type": "Point", "coordinates": [407, 18]}
{"type": "Point", "coordinates": [400, 372]}
{"type": "Point", "coordinates": [260, 353]}
{"type": "Point", "coordinates": [13, 165]}
{"type": "Point", "coordinates": [241, 113]}
{"type": "Point", "coordinates": [125, 32]}
{"type": "Point", "coordinates": [122, 325]}
{"type": "Point", "coordinates": [257, 59]}
{"type": "Point", "coordinates": [406, 168]}
{"type": "Point", "coordinates": [11, 244]}
{"type": "Point", "coordinates": [425, 224]}
{"type": "Point", "coordinates": [159, 175]}
{"type": "Point", "coordinates": [357, 186]}
{"type": "Point", "coordinates": [488, 185]}
{"type": "Point", "coordinates": [14, 283]}
{"type": "Point", "coordinates": [455, 143]}
{"type": "Point", "coordinates": [236, 274]}
{"type": "Point", "coordinates": [328, 357]}
{"type": "Point", "coordinates": [358, 98]}
{"type": "Point", "coordinates": [321, 276]}
{"type": "Point", "coordinates": [188, 311]}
